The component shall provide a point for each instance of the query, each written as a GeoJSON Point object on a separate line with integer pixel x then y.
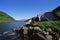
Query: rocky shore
{"type": "Point", "coordinates": [31, 32]}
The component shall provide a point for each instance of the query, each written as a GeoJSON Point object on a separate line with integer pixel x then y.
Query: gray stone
{"type": "Point", "coordinates": [49, 37]}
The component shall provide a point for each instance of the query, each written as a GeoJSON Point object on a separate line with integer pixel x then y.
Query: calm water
{"type": "Point", "coordinates": [7, 27]}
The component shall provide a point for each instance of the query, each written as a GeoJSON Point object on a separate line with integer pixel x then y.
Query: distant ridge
{"type": "Point", "coordinates": [5, 17]}
{"type": "Point", "coordinates": [53, 15]}
{"type": "Point", "coordinates": [57, 11]}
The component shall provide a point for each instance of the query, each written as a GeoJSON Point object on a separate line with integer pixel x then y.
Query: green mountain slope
{"type": "Point", "coordinates": [5, 17]}
{"type": "Point", "coordinates": [57, 11]}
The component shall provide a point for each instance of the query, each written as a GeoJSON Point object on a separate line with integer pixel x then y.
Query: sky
{"type": "Point", "coordinates": [24, 9]}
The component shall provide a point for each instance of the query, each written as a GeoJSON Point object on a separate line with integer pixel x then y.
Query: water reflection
{"type": "Point", "coordinates": [7, 27]}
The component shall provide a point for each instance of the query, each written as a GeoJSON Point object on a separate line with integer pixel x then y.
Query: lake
{"type": "Point", "coordinates": [7, 27]}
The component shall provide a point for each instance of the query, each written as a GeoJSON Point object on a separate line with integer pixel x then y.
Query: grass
{"type": "Point", "coordinates": [5, 17]}
{"type": "Point", "coordinates": [58, 13]}
{"type": "Point", "coordinates": [55, 25]}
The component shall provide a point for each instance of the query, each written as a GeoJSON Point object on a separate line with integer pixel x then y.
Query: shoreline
{"type": "Point", "coordinates": [29, 32]}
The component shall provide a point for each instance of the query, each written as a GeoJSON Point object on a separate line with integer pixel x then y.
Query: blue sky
{"type": "Point", "coordinates": [24, 9]}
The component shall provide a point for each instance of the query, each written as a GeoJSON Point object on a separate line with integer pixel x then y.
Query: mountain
{"type": "Point", "coordinates": [49, 16]}
{"type": "Point", "coordinates": [53, 15]}
{"type": "Point", "coordinates": [50, 19]}
{"type": "Point", "coordinates": [57, 11]}
{"type": "Point", "coordinates": [5, 17]}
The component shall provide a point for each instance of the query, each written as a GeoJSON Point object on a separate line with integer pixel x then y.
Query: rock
{"type": "Point", "coordinates": [12, 35]}
{"type": "Point", "coordinates": [59, 38]}
{"type": "Point", "coordinates": [49, 29]}
{"type": "Point", "coordinates": [15, 30]}
{"type": "Point", "coordinates": [49, 37]}
{"type": "Point", "coordinates": [30, 33]}
{"type": "Point", "coordinates": [25, 30]}
{"type": "Point", "coordinates": [37, 28]}
{"type": "Point", "coordinates": [37, 36]}
{"type": "Point", "coordinates": [40, 35]}
{"type": "Point", "coordinates": [5, 33]}
{"type": "Point", "coordinates": [30, 28]}
{"type": "Point", "coordinates": [0, 35]}
{"type": "Point", "coordinates": [44, 32]}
